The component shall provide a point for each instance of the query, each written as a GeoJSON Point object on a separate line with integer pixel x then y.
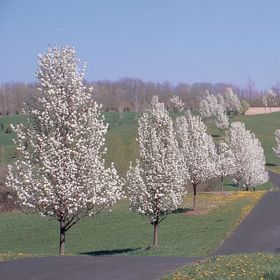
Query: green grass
{"type": "Point", "coordinates": [121, 143]}
{"type": "Point", "coordinates": [124, 232]}
{"type": "Point", "coordinates": [230, 186]}
{"type": "Point", "coordinates": [264, 127]}
{"type": "Point", "coordinates": [120, 139]}
{"type": "Point", "coordinates": [7, 147]}
{"type": "Point", "coordinates": [235, 267]}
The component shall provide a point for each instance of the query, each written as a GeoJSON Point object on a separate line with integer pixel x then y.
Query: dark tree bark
{"type": "Point", "coordinates": [155, 242]}
{"type": "Point", "coordinates": [194, 195]}
{"type": "Point", "coordinates": [62, 238]}
{"type": "Point", "coordinates": [222, 181]}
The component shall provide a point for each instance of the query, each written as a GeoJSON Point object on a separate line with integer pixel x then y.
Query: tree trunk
{"type": "Point", "coordinates": [194, 195]}
{"type": "Point", "coordinates": [62, 238]}
{"type": "Point", "coordinates": [222, 181]}
{"type": "Point", "coordinates": [155, 242]}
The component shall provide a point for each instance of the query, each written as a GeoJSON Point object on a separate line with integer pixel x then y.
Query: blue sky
{"type": "Point", "coordinates": [176, 40]}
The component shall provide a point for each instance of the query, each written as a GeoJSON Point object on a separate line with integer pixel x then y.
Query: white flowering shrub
{"type": "Point", "coordinates": [248, 155]}
{"type": "Point", "coordinates": [155, 185]}
{"type": "Point", "coordinates": [60, 172]}
{"type": "Point", "coordinates": [198, 150]}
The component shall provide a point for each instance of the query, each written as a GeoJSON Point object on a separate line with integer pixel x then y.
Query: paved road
{"type": "Point", "coordinates": [259, 232]}
{"type": "Point", "coordinates": [91, 268]}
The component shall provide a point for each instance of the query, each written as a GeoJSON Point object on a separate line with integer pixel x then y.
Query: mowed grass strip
{"type": "Point", "coordinates": [234, 267]}
{"type": "Point", "coordinates": [123, 232]}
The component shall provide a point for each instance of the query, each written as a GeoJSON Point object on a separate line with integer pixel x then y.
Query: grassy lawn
{"type": "Point", "coordinates": [121, 143]}
{"type": "Point", "coordinates": [7, 147]}
{"type": "Point", "coordinates": [120, 139]}
{"type": "Point", "coordinates": [126, 233]}
{"type": "Point", "coordinates": [230, 186]}
{"type": "Point", "coordinates": [264, 127]}
{"type": "Point", "coordinates": [235, 267]}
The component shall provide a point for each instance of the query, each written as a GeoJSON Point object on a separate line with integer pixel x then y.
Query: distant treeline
{"type": "Point", "coordinates": [128, 94]}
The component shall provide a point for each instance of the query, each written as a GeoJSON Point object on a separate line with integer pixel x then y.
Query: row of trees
{"type": "Point", "coordinates": [130, 94]}
{"type": "Point", "coordinates": [172, 156]}
{"type": "Point", "coordinates": [60, 172]}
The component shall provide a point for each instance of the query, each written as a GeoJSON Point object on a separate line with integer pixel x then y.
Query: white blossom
{"type": "Point", "coordinates": [188, 114]}
{"type": "Point", "coordinates": [248, 157]}
{"type": "Point", "coordinates": [211, 108]}
{"type": "Point", "coordinates": [208, 106]}
{"type": "Point", "coordinates": [177, 103]}
{"type": "Point", "coordinates": [231, 101]}
{"type": "Point", "coordinates": [226, 159]}
{"type": "Point", "coordinates": [60, 172]}
{"type": "Point", "coordinates": [277, 139]}
{"type": "Point", "coordinates": [264, 100]}
{"type": "Point", "coordinates": [221, 100]}
{"type": "Point", "coordinates": [270, 99]}
{"type": "Point", "coordinates": [155, 185]}
{"type": "Point", "coordinates": [198, 150]}
{"type": "Point", "coordinates": [221, 118]}
{"type": "Point", "coordinates": [226, 163]}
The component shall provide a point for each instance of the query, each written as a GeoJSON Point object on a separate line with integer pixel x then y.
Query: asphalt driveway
{"type": "Point", "coordinates": [91, 268]}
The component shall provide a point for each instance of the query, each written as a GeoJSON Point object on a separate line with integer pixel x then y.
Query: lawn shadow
{"type": "Point", "coordinates": [110, 252]}
{"type": "Point", "coordinates": [215, 135]}
{"type": "Point", "coordinates": [181, 210]}
{"type": "Point", "coordinates": [231, 185]}
{"type": "Point", "coordinates": [271, 275]}
{"type": "Point", "coordinates": [270, 164]}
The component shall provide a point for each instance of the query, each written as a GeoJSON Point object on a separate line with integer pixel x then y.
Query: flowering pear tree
{"type": "Point", "coordinates": [226, 161]}
{"type": "Point", "coordinates": [264, 101]}
{"type": "Point", "coordinates": [178, 104]}
{"type": "Point", "coordinates": [198, 150]}
{"type": "Point", "coordinates": [155, 185]}
{"type": "Point", "coordinates": [232, 102]}
{"type": "Point", "coordinates": [60, 172]}
{"type": "Point", "coordinates": [188, 114]}
{"type": "Point", "coordinates": [221, 100]}
{"type": "Point", "coordinates": [277, 139]}
{"type": "Point", "coordinates": [208, 106]}
{"type": "Point", "coordinates": [270, 99]}
{"type": "Point", "coordinates": [245, 105]}
{"type": "Point", "coordinates": [204, 110]}
{"type": "Point", "coordinates": [221, 118]}
{"type": "Point", "coordinates": [214, 107]}
{"type": "Point", "coordinates": [248, 156]}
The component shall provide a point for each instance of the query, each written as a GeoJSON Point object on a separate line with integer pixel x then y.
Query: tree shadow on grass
{"type": "Point", "coordinates": [230, 185]}
{"type": "Point", "coordinates": [181, 210]}
{"type": "Point", "coordinates": [272, 275]}
{"type": "Point", "coordinates": [215, 135]}
{"type": "Point", "coordinates": [110, 252]}
{"type": "Point", "coordinates": [270, 164]}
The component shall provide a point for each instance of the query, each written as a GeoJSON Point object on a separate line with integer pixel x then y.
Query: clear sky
{"type": "Point", "coordinates": [154, 40]}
